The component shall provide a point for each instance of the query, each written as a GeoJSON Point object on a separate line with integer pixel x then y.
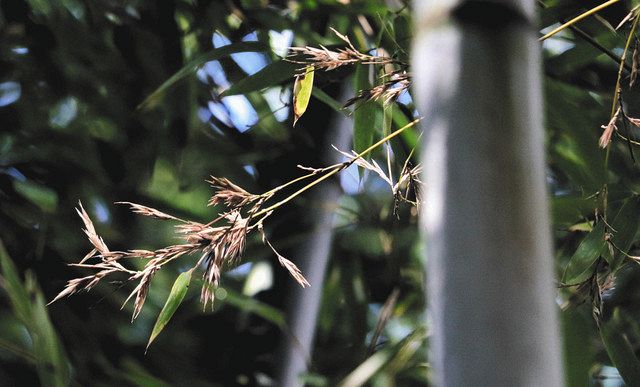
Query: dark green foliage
{"type": "Point", "coordinates": [110, 107]}
{"type": "Point", "coordinates": [108, 101]}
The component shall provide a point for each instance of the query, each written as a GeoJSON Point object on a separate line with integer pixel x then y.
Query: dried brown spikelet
{"type": "Point", "coordinates": [634, 121]}
{"type": "Point", "coordinates": [210, 277]}
{"type": "Point", "coordinates": [90, 231]}
{"type": "Point", "coordinates": [387, 91]}
{"type": "Point", "coordinates": [323, 58]}
{"type": "Point", "coordinates": [148, 211]}
{"type": "Point", "coordinates": [228, 193]}
{"type": "Point", "coordinates": [221, 242]}
{"type": "Point", "coordinates": [293, 270]}
{"type": "Point", "coordinates": [605, 138]}
{"type": "Point", "coordinates": [143, 290]}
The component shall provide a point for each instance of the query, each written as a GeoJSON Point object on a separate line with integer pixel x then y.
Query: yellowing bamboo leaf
{"type": "Point", "coordinates": [302, 89]}
{"type": "Point", "coordinates": [178, 291]}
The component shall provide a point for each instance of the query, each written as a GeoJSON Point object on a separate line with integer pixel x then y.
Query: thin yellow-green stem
{"type": "Point", "coordinates": [578, 18]}
{"type": "Point", "coordinates": [627, 139]}
{"type": "Point", "coordinates": [297, 179]}
{"type": "Point", "coordinates": [616, 92]}
{"type": "Point", "coordinates": [336, 170]}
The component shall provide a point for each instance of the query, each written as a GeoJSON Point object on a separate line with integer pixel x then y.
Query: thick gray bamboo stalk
{"type": "Point", "coordinates": [315, 253]}
{"type": "Point", "coordinates": [491, 309]}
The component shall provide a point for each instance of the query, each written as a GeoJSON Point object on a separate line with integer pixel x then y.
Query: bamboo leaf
{"type": "Point", "coordinates": [586, 254]}
{"type": "Point", "coordinates": [391, 359]}
{"type": "Point", "coordinates": [51, 361]}
{"type": "Point", "coordinates": [367, 116]}
{"type": "Point", "coordinates": [579, 351]}
{"type": "Point", "coordinates": [178, 291]}
{"type": "Point", "coordinates": [192, 66]}
{"type": "Point", "coordinates": [302, 89]}
{"type": "Point", "coordinates": [251, 305]}
{"type": "Point", "coordinates": [626, 225]}
{"type": "Point", "coordinates": [14, 288]}
{"type": "Point", "coordinates": [271, 75]}
{"type": "Point", "coordinates": [578, 18]}
{"type": "Point", "coordinates": [387, 117]}
{"type": "Point", "coordinates": [329, 101]}
{"type": "Point", "coordinates": [620, 351]}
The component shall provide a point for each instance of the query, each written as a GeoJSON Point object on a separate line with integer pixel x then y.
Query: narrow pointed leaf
{"type": "Point", "coordinates": [192, 66]}
{"type": "Point", "coordinates": [178, 291]}
{"type": "Point", "coordinates": [302, 89]}
{"type": "Point", "coordinates": [626, 224]}
{"type": "Point", "coordinates": [620, 350]}
{"type": "Point", "coordinates": [367, 116]}
{"type": "Point", "coordinates": [364, 119]}
{"type": "Point", "coordinates": [251, 305]}
{"type": "Point", "coordinates": [29, 307]}
{"type": "Point", "coordinates": [586, 254]}
{"type": "Point", "coordinates": [392, 359]}
{"type": "Point", "coordinates": [14, 288]}
{"type": "Point", "coordinates": [579, 349]}
{"type": "Point", "coordinates": [329, 101]}
{"type": "Point", "coordinates": [271, 75]}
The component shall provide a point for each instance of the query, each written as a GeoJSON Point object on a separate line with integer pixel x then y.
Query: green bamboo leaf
{"type": "Point", "coordinates": [192, 66]}
{"type": "Point", "coordinates": [387, 117]}
{"type": "Point", "coordinates": [251, 305]}
{"type": "Point", "coordinates": [271, 75]}
{"type": "Point", "coordinates": [40, 195]}
{"type": "Point", "coordinates": [626, 225]}
{"type": "Point", "coordinates": [29, 307]}
{"type": "Point", "coordinates": [579, 351]}
{"type": "Point", "coordinates": [392, 359]}
{"type": "Point", "coordinates": [620, 350]}
{"type": "Point", "coordinates": [302, 89]}
{"type": "Point", "coordinates": [586, 254]}
{"type": "Point", "coordinates": [367, 114]}
{"type": "Point", "coordinates": [51, 360]}
{"type": "Point", "coordinates": [178, 291]}
{"type": "Point", "coordinates": [14, 288]}
{"type": "Point", "coordinates": [329, 101]}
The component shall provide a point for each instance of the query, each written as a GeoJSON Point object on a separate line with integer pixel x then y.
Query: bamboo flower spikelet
{"type": "Point", "coordinates": [220, 244]}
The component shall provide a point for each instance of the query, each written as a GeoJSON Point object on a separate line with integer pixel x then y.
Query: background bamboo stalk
{"type": "Point", "coordinates": [486, 223]}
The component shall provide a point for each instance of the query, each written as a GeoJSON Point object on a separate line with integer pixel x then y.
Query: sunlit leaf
{"type": "Point", "coordinates": [178, 291]}
{"type": "Point", "coordinates": [40, 195]}
{"type": "Point", "coordinates": [302, 89]}
{"type": "Point", "coordinates": [367, 116]}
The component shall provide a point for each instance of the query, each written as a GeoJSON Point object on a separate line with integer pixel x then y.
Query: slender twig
{"type": "Point", "coordinates": [590, 40]}
{"type": "Point", "coordinates": [618, 88]}
{"type": "Point", "coordinates": [336, 170]}
{"type": "Point", "coordinates": [578, 18]}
